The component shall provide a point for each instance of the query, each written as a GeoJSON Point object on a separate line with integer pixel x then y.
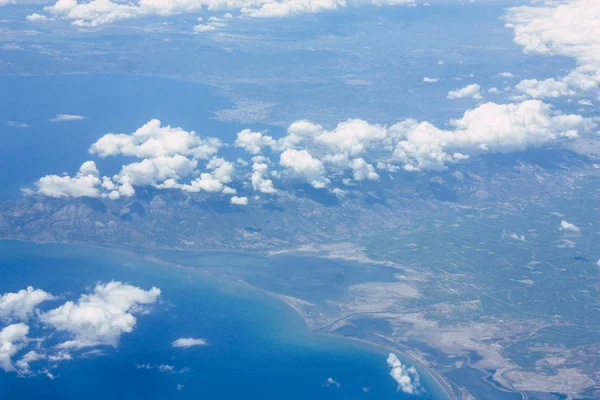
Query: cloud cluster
{"type": "Point", "coordinates": [98, 318]}
{"type": "Point", "coordinates": [167, 155]}
{"type": "Point", "coordinates": [353, 150]}
{"type": "Point", "coordinates": [101, 12]}
{"type": "Point", "coordinates": [407, 377]}
{"type": "Point", "coordinates": [560, 28]}
{"type": "Point", "coordinates": [101, 317]}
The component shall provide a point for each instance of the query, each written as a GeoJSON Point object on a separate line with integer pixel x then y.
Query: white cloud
{"type": "Point", "coordinates": [560, 28]}
{"type": "Point", "coordinates": [100, 12]}
{"type": "Point", "coordinates": [157, 170]}
{"type": "Point", "coordinates": [352, 136]}
{"type": "Point", "coordinates": [304, 165]}
{"type": "Point", "coordinates": [506, 75]}
{"type": "Point", "coordinates": [582, 79]}
{"type": "Point", "coordinates": [331, 382]}
{"type": "Point", "coordinates": [154, 140]}
{"type": "Point", "coordinates": [567, 226]}
{"type": "Point", "coordinates": [162, 368]}
{"type": "Point", "coordinates": [185, 343]}
{"type": "Point", "coordinates": [22, 364]}
{"type": "Point", "coordinates": [490, 127]}
{"type": "Point", "coordinates": [472, 91]}
{"type": "Point", "coordinates": [66, 118]}
{"type": "Point", "coordinates": [363, 170]}
{"type": "Point", "coordinates": [17, 124]}
{"type": "Point", "coordinates": [84, 184]}
{"type": "Point", "coordinates": [35, 17]}
{"type": "Point", "coordinates": [407, 377]}
{"type": "Point", "coordinates": [240, 201]}
{"type": "Point", "coordinates": [12, 339]}
{"type": "Point", "coordinates": [259, 180]}
{"type": "Point", "coordinates": [253, 142]}
{"type": "Point", "coordinates": [20, 305]}
{"type": "Point", "coordinates": [101, 317]}
{"type": "Point", "coordinates": [430, 80]}
{"type": "Point", "coordinates": [170, 156]}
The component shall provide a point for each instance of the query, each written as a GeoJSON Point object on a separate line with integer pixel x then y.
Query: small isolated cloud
{"type": "Point", "coordinates": [162, 368]}
{"type": "Point", "coordinates": [21, 305]}
{"type": "Point", "coordinates": [517, 237]}
{"type": "Point", "coordinates": [240, 201]}
{"type": "Point", "coordinates": [506, 75]}
{"type": "Point", "coordinates": [430, 80]}
{"type": "Point", "coordinates": [17, 124]}
{"type": "Point", "coordinates": [185, 343]}
{"type": "Point", "coordinates": [472, 91]}
{"type": "Point", "coordinates": [35, 17]}
{"type": "Point", "coordinates": [66, 118]}
{"type": "Point", "coordinates": [330, 382]}
{"type": "Point", "coordinates": [407, 377]}
{"type": "Point", "coordinates": [567, 226]}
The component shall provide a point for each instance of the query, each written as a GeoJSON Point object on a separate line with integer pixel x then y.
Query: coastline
{"type": "Point", "coordinates": [442, 383]}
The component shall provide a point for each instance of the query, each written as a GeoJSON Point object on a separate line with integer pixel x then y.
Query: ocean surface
{"type": "Point", "coordinates": [259, 347]}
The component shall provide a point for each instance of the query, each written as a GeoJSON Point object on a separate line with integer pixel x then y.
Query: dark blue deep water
{"type": "Point", "coordinates": [259, 348]}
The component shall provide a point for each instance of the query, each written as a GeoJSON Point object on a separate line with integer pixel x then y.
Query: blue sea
{"type": "Point", "coordinates": [259, 347]}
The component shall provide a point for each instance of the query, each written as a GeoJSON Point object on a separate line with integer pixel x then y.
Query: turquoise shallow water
{"type": "Point", "coordinates": [259, 347]}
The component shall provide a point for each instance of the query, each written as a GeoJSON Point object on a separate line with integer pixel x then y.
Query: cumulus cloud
{"type": "Point", "coordinates": [472, 91]}
{"type": "Point", "coordinates": [66, 118]}
{"type": "Point", "coordinates": [567, 226]}
{"type": "Point", "coordinates": [101, 317]}
{"type": "Point", "coordinates": [253, 142]}
{"type": "Point", "coordinates": [259, 179]}
{"type": "Point", "coordinates": [240, 201]}
{"type": "Point", "coordinates": [407, 377]}
{"type": "Point", "coordinates": [84, 184]}
{"type": "Point", "coordinates": [12, 339]}
{"type": "Point", "coordinates": [363, 170]}
{"type": "Point", "coordinates": [430, 80]}
{"type": "Point", "coordinates": [185, 343]}
{"type": "Point", "coordinates": [490, 127]}
{"type": "Point", "coordinates": [21, 305]}
{"type": "Point", "coordinates": [303, 164]}
{"type": "Point", "coordinates": [310, 152]}
{"type": "Point", "coordinates": [560, 28]}
{"type": "Point", "coordinates": [155, 140]}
